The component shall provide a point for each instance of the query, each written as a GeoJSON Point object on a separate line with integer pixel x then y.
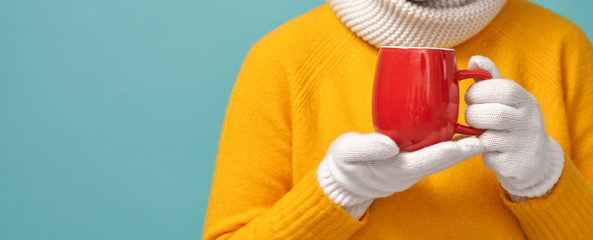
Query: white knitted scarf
{"type": "Point", "coordinates": [431, 23]}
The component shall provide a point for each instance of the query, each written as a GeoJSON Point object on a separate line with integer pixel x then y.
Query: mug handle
{"type": "Point", "coordinates": [465, 74]}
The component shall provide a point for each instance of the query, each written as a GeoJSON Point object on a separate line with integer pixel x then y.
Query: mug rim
{"type": "Point", "coordinates": [404, 47]}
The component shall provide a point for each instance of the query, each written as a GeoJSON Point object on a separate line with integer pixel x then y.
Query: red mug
{"type": "Point", "coordinates": [416, 96]}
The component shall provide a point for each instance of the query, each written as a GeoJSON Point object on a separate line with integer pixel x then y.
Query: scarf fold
{"type": "Point", "coordinates": [431, 23]}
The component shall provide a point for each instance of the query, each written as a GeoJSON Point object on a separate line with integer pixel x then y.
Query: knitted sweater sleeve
{"type": "Point", "coordinates": [253, 195]}
{"type": "Point", "coordinates": [567, 212]}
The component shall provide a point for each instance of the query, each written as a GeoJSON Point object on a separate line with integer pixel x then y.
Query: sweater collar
{"type": "Point", "coordinates": [433, 23]}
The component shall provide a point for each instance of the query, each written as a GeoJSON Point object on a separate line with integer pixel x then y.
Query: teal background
{"type": "Point", "coordinates": [110, 111]}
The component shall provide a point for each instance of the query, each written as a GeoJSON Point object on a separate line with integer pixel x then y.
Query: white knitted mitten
{"type": "Point", "coordinates": [527, 162]}
{"type": "Point", "coordinates": [361, 167]}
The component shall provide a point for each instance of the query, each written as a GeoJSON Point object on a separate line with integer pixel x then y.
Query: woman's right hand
{"type": "Point", "coordinates": [361, 167]}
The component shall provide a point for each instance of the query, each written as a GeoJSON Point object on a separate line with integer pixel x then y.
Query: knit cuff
{"type": "Point", "coordinates": [550, 177]}
{"type": "Point", "coordinates": [565, 214]}
{"type": "Point", "coordinates": [336, 190]}
{"type": "Point", "coordinates": [354, 204]}
{"type": "Point", "coordinates": [306, 212]}
{"type": "Point", "coordinates": [358, 210]}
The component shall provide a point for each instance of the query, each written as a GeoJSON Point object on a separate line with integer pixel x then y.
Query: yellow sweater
{"type": "Point", "coordinates": [310, 80]}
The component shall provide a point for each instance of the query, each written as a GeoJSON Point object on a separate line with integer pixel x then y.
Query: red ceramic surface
{"type": "Point", "coordinates": [416, 96]}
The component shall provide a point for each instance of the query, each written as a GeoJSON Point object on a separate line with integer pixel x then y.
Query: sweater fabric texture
{"type": "Point", "coordinates": [311, 80]}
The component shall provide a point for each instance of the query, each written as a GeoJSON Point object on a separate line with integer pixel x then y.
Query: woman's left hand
{"type": "Point", "coordinates": [527, 162]}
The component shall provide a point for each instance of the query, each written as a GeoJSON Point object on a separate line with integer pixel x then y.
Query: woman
{"type": "Point", "coordinates": [298, 159]}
